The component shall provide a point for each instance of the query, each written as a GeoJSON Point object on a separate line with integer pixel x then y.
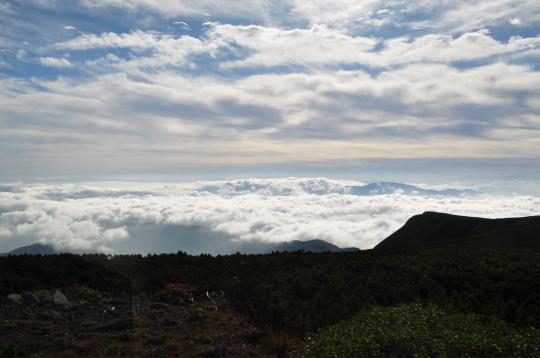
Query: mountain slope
{"type": "Point", "coordinates": [43, 249]}
{"type": "Point", "coordinates": [433, 230]}
{"type": "Point", "coordinates": [34, 249]}
{"type": "Point", "coordinates": [311, 246]}
{"type": "Point", "coordinates": [289, 246]}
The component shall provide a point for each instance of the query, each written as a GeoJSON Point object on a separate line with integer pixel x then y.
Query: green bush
{"type": "Point", "coordinates": [416, 330]}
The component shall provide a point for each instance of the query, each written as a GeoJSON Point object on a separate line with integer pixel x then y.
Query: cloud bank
{"type": "Point", "coordinates": [183, 84]}
{"type": "Point", "coordinates": [221, 217]}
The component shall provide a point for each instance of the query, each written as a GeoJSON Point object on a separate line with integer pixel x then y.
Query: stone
{"type": "Point", "coordinates": [14, 298]}
{"type": "Point", "coordinates": [159, 306]}
{"type": "Point", "coordinates": [59, 298]}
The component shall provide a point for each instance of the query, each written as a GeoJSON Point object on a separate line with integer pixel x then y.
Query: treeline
{"type": "Point", "coordinates": [301, 292]}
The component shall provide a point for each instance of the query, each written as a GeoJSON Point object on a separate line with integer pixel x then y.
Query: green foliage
{"type": "Point", "coordinates": [415, 330]}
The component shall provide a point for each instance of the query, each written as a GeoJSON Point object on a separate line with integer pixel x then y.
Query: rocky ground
{"type": "Point", "coordinates": [77, 321]}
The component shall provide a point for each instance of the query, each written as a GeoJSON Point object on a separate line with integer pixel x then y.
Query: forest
{"type": "Point", "coordinates": [293, 295]}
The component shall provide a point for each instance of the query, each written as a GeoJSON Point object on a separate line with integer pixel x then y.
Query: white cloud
{"type": "Point", "coordinates": [320, 45]}
{"type": "Point", "coordinates": [333, 115]}
{"type": "Point", "coordinates": [261, 210]}
{"type": "Point", "coordinates": [456, 16]}
{"type": "Point", "coordinates": [275, 47]}
{"type": "Point", "coordinates": [299, 81]}
{"type": "Point", "coordinates": [479, 14]}
{"type": "Point", "coordinates": [119, 233]}
{"type": "Point", "coordinates": [515, 21]}
{"type": "Point", "coordinates": [165, 49]}
{"type": "Point", "coordinates": [182, 25]}
{"type": "Point", "coordinates": [55, 62]}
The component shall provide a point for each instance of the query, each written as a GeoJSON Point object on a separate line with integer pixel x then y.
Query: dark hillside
{"type": "Point", "coordinates": [432, 230]}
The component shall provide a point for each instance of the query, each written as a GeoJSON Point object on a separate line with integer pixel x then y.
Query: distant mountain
{"type": "Point", "coordinates": [290, 246]}
{"type": "Point", "coordinates": [318, 186]}
{"type": "Point", "coordinates": [383, 188]}
{"type": "Point", "coordinates": [42, 249]}
{"type": "Point", "coordinates": [310, 245]}
{"type": "Point", "coordinates": [432, 230]}
{"type": "Point", "coordinates": [34, 249]}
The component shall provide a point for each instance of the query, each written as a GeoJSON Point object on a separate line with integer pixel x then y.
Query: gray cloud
{"type": "Point", "coordinates": [187, 120]}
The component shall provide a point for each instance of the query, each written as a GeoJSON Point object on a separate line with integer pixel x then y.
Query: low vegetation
{"type": "Point", "coordinates": [290, 295]}
{"type": "Point", "coordinates": [416, 330]}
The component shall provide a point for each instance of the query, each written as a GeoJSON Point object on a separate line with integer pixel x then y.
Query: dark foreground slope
{"type": "Point", "coordinates": [432, 230]}
{"type": "Point", "coordinates": [283, 295]}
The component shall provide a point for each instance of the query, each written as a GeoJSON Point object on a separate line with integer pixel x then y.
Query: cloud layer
{"type": "Point", "coordinates": [221, 217]}
{"type": "Point", "coordinates": [178, 84]}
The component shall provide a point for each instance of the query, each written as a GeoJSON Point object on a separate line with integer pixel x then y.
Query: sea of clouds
{"type": "Point", "coordinates": [223, 217]}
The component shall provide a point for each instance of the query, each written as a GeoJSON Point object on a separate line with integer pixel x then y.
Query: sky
{"type": "Point", "coordinates": [371, 89]}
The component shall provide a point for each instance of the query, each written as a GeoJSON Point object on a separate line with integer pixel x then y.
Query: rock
{"type": "Point", "coordinates": [50, 315]}
{"type": "Point", "coordinates": [159, 306]}
{"type": "Point", "coordinates": [59, 298]}
{"type": "Point", "coordinates": [14, 298]}
{"type": "Point", "coordinates": [118, 325]}
{"type": "Point", "coordinates": [29, 297]}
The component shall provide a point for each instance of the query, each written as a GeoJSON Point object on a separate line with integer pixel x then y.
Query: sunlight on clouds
{"type": "Point", "coordinates": [104, 217]}
{"type": "Point", "coordinates": [183, 83]}
{"type": "Point", "coordinates": [55, 62]}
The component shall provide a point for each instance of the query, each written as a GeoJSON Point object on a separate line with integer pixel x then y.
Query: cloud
{"type": "Point", "coordinates": [55, 62]}
{"type": "Point", "coordinates": [320, 45]}
{"type": "Point", "coordinates": [205, 120]}
{"type": "Point", "coordinates": [236, 9]}
{"type": "Point", "coordinates": [182, 25]}
{"type": "Point", "coordinates": [232, 215]}
{"type": "Point", "coordinates": [164, 49]}
{"type": "Point", "coordinates": [466, 15]}
{"type": "Point", "coordinates": [259, 83]}
{"type": "Point", "coordinates": [116, 234]}
{"type": "Point", "coordinates": [277, 47]}
{"type": "Point", "coordinates": [455, 16]}
{"type": "Point", "coordinates": [259, 46]}
{"type": "Point", "coordinates": [515, 21]}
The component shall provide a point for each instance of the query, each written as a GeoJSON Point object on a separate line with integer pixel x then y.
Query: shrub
{"type": "Point", "coordinates": [416, 330]}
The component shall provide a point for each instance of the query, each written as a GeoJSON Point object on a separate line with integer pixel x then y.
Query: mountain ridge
{"type": "Point", "coordinates": [434, 230]}
{"type": "Point", "coordinates": [315, 245]}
